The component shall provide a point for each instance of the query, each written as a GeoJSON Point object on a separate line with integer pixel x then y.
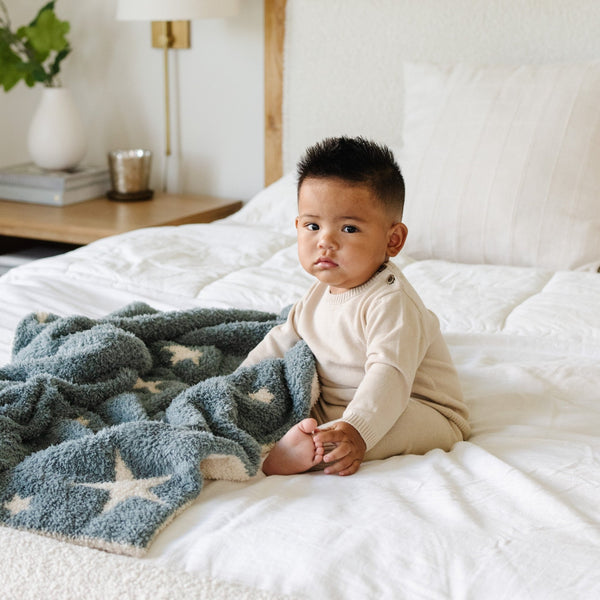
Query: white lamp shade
{"type": "Point", "coordinates": [175, 10]}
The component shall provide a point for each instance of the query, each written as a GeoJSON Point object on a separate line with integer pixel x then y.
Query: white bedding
{"type": "Point", "coordinates": [512, 513]}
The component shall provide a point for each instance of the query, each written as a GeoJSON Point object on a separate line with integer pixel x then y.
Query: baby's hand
{"type": "Point", "coordinates": [349, 449]}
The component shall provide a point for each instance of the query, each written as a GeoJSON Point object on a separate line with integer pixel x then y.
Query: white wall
{"type": "Point", "coordinates": [326, 42]}
{"type": "Point", "coordinates": [117, 81]}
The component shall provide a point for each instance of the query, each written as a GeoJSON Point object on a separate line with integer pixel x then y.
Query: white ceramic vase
{"type": "Point", "coordinates": [56, 137]}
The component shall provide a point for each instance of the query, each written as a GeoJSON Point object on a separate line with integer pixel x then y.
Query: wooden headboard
{"type": "Point", "coordinates": [274, 37]}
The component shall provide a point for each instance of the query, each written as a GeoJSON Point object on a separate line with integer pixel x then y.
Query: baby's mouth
{"type": "Point", "coordinates": [325, 263]}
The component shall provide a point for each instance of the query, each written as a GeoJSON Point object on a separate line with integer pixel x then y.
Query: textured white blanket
{"type": "Point", "coordinates": [513, 510]}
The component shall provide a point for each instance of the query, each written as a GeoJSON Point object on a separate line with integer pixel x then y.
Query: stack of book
{"type": "Point", "coordinates": [30, 183]}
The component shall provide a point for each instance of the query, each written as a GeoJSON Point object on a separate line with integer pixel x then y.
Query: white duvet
{"type": "Point", "coordinates": [512, 513]}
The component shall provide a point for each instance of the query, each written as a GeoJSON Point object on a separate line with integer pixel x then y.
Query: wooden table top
{"type": "Point", "coordinates": [87, 221]}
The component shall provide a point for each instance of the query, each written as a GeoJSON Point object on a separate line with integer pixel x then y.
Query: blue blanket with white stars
{"type": "Point", "coordinates": [109, 427]}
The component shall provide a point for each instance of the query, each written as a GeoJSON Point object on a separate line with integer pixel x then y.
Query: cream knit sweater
{"type": "Point", "coordinates": [376, 346]}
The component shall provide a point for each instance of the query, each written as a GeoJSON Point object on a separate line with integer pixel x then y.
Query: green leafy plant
{"type": "Point", "coordinates": [33, 52]}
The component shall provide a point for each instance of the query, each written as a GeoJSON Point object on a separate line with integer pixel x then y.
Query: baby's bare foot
{"type": "Point", "coordinates": [295, 452]}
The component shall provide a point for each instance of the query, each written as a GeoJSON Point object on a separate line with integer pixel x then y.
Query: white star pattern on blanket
{"type": "Point", "coordinates": [151, 386]}
{"type": "Point", "coordinates": [181, 353]}
{"type": "Point", "coordinates": [18, 504]}
{"type": "Point", "coordinates": [263, 395]}
{"type": "Point", "coordinates": [127, 486]}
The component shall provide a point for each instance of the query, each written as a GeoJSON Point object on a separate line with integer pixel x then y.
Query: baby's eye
{"type": "Point", "coordinates": [312, 226]}
{"type": "Point", "coordinates": [349, 229]}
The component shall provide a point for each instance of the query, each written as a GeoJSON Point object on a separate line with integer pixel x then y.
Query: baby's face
{"type": "Point", "coordinates": [344, 234]}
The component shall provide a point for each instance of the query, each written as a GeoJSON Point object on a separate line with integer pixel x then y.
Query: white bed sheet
{"type": "Point", "coordinates": [512, 513]}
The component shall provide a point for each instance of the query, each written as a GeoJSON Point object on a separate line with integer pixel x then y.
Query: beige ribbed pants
{"type": "Point", "coordinates": [419, 429]}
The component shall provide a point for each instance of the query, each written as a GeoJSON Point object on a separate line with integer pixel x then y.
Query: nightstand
{"type": "Point", "coordinates": [85, 222]}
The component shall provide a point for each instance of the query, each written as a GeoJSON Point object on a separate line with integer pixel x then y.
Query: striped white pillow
{"type": "Point", "coordinates": [502, 164]}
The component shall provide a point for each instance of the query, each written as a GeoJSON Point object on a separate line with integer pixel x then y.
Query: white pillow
{"type": "Point", "coordinates": [502, 164]}
{"type": "Point", "coordinates": [274, 207]}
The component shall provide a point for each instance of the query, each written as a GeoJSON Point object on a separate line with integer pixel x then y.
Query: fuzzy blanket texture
{"type": "Point", "coordinates": [109, 427]}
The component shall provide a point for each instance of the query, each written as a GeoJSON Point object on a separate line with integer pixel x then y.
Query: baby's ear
{"type": "Point", "coordinates": [396, 239]}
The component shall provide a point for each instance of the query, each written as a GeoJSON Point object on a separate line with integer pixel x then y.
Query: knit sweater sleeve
{"type": "Point", "coordinates": [397, 340]}
{"type": "Point", "coordinates": [378, 403]}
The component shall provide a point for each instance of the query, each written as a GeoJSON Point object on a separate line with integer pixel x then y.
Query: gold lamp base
{"type": "Point", "coordinates": [167, 35]}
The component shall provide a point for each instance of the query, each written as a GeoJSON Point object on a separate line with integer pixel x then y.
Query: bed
{"type": "Point", "coordinates": [493, 110]}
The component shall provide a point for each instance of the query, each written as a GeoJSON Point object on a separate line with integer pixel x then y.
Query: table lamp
{"type": "Point", "coordinates": [171, 29]}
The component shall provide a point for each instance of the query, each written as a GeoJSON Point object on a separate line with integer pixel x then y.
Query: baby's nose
{"type": "Point", "coordinates": [327, 240]}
